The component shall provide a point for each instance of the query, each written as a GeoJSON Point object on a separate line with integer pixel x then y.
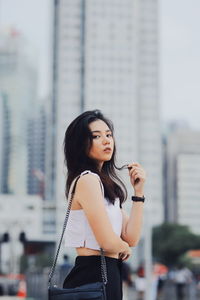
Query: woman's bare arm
{"type": "Point", "coordinates": [132, 224]}
{"type": "Point", "coordinates": [89, 196]}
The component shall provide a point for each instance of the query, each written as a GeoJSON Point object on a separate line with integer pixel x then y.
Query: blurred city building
{"type": "Point", "coordinates": [182, 169]}
{"type": "Point", "coordinates": [18, 215]}
{"type": "Point", "coordinates": [18, 87]}
{"type": "Point", "coordinates": [23, 143]}
{"type": "Point", "coordinates": [106, 56]}
{"type": "Point", "coordinates": [36, 152]}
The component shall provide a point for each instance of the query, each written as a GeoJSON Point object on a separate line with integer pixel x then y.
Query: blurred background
{"type": "Point", "coordinates": [136, 60]}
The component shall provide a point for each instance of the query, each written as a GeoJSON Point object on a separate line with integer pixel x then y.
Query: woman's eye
{"type": "Point", "coordinates": [110, 134]}
{"type": "Point", "coordinates": [95, 136]}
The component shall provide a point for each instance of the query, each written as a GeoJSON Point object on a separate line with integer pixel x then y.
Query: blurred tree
{"type": "Point", "coordinates": [171, 241]}
{"type": "Point", "coordinates": [186, 261]}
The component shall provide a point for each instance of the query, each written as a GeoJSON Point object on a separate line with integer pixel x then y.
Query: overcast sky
{"type": "Point", "coordinates": [179, 50]}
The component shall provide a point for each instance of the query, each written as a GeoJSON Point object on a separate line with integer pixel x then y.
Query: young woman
{"type": "Point", "coordinates": [97, 219]}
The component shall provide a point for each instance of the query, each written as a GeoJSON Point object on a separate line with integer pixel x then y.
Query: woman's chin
{"type": "Point", "coordinates": [108, 159]}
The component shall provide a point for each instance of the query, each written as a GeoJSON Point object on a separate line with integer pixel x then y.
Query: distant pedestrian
{"type": "Point", "coordinates": [65, 267]}
{"type": "Point", "coordinates": [140, 283]}
{"type": "Point", "coordinates": [1, 290]}
{"type": "Point", "coordinates": [182, 277]}
{"type": "Point", "coordinates": [160, 273]}
{"type": "Point", "coordinates": [126, 274]}
{"type": "Point", "coordinates": [126, 279]}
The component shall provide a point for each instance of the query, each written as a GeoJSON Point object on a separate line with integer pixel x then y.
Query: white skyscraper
{"type": "Point", "coordinates": [18, 85]}
{"type": "Point", "coordinates": [183, 177]}
{"type": "Point", "coordinates": [188, 190]}
{"type": "Point", "coordinates": [106, 56]}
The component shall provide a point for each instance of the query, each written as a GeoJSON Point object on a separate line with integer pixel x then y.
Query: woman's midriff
{"type": "Point", "coordinates": [86, 252]}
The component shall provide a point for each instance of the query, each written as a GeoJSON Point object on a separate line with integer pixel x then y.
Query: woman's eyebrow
{"type": "Point", "coordinates": [101, 131]}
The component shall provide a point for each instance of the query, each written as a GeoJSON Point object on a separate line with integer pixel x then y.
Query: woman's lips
{"type": "Point", "coordinates": [107, 150]}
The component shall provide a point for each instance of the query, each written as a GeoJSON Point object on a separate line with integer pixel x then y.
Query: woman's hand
{"type": "Point", "coordinates": [137, 177]}
{"type": "Point", "coordinates": [126, 254]}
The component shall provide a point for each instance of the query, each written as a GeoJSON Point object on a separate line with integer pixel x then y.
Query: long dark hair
{"type": "Point", "coordinates": [77, 142]}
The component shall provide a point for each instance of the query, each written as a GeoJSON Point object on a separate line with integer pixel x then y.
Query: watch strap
{"type": "Point", "coordinates": [137, 199]}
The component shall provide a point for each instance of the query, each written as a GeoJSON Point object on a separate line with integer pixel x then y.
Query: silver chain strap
{"type": "Point", "coordinates": [103, 268]}
{"type": "Point", "coordinates": [103, 260]}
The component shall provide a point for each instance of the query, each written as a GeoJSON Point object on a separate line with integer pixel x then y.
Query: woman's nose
{"type": "Point", "coordinates": [106, 140]}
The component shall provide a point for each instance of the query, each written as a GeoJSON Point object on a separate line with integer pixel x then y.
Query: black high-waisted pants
{"type": "Point", "coordinates": [87, 269]}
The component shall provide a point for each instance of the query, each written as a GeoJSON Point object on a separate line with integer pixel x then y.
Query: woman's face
{"type": "Point", "coordinates": [102, 142]}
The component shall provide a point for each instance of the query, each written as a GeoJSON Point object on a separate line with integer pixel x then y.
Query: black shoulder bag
{"type": "Point", "coordinates": [90, 291]}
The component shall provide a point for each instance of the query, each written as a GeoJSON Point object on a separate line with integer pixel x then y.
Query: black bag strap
{"type": "Point", "coordinates": [103, 261]}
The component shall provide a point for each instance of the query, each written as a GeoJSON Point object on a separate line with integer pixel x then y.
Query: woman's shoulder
{"type": "Point", "coordinates": [89, 180]}
{"type": "Point", "coordinates": [84, 179]}
{"type": "Point", "coordinates": [88, 177]}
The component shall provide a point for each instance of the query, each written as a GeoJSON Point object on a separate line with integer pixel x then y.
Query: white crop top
{"type": "Point", "coordinates": [78, 232]}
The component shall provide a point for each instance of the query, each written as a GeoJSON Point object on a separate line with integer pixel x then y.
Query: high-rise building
{"type": "Point", "coordinates": [188, 190]}
{"type": "Point", "coordinates": [36, 153]}
{"type": "Point", "coordinates": [106, 56]}
{"type": "Point", "coordinates": [22, 152]}
{"type": "Point", "coordinates": [18, 85]}
{"type": "Point", "coordinates": [183, 175]}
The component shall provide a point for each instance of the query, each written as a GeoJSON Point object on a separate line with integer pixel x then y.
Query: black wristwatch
{"type": "Point", "coordinates": [137, 199]}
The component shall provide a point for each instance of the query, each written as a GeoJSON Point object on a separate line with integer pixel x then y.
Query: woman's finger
{"type": "Point", "coordinates": [126, 257]}
{"type": "Point", "coordinates": [133, 171]}
{"type": "Point", "coordinates": [134, 164]}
